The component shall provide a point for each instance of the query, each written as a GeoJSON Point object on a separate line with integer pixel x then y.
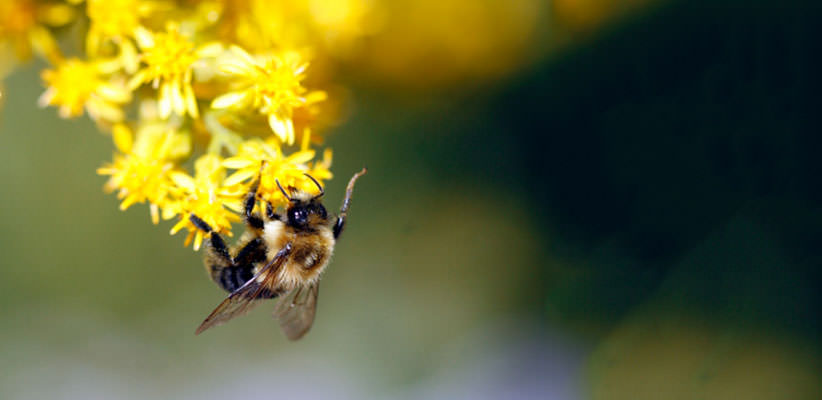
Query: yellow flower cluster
{"type": "Point", "coordinates": [202, 98]}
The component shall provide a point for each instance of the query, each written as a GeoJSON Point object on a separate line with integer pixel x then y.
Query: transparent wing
{"type": "Point", "coordinates": [295, 311]}
{"type": "Point", "coordinates": [261, 287]}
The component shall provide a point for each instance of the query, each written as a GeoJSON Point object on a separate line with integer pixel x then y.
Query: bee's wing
{"type": "Point", "coordinates": [247, 296]}
{"type": "Point", "coordinates": [295, 311]}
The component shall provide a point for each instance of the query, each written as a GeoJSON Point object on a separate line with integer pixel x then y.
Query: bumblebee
{"type": "Point", "coordinates": [278, 257]}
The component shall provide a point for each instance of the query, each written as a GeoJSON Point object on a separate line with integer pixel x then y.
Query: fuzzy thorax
{"type": "Point", "coordinates": [309, 256]}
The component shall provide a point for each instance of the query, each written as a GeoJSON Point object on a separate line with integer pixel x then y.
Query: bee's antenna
{"type": "Point", "coordinates": [282, 190]}
{"type": "Point", "coordinates": [322, 192]}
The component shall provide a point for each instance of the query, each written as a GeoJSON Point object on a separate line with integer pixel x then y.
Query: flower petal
{"type": "Point", "coordinates": [177, 102]}
{"type": "Point", "coordinates": [145, 39]}
{"type": "Point", "coordinates": [45, 99]}
{"type": "Point", "coordinates": [315, 97]}
{"type": "Point", "coordinates": [283, 128]}
{"type": "Point", "coordinates": [301, 157]}
{"type": "Point", "coordinates": [239, 176]}
{"type": "Point", "coordinates": [164, 102]}
{"type": "Point", "coordinates": [137, 79]}
{"type": "Point", "coordinates": [184, 181]}
{"type": "Point", "coordinates": [237, 162]}
{"type": "Point", "coordinates": [212, 49]}
{"type": "Point", "coordinates": [191, 101]}
{"type": "Point", "coordinates": [243, 55]}
{"type": "Point", "coordinates": [114, 93]}
{"type": "Point", "coordinates": [230, 99]}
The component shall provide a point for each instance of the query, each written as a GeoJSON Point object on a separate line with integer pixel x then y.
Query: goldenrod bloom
{"type": "Point", "coordinates": [169, 57]}
{"type": "Point", "coordinates": [165, 56]}
{"type": "Point", "coordinates": [114, 21]}
{"type": "Point", "coordinates": [143, 172]}
{"type": "Point", "coordinates": [288, 170]}
{"type": "Point", "coordinates": [204, 196]}
{"type": "Point", "coordinates": [269, 84]}
{"type": "Point", "coordinates": [76, 84]}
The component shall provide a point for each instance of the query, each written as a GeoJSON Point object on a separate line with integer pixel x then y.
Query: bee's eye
{"type": "Point", "coordinates": [298, 216]}
{"type": "Point", "coordinates": [320, 210]}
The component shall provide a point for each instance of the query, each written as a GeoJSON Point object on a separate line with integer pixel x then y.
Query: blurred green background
{"type": "Point", "coordinates": [631, 210]}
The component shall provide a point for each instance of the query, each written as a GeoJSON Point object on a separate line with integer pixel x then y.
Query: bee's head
{"type": "Point", "coordinates": [305, 209]}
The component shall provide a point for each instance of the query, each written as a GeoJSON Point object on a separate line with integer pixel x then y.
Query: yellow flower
{"type": "Point", "coordinates": [23, 27]}
{"type": "Point", "coordinates": [269, 84]}
{"type": "Point", "coordinates": [288, 170]}
{"type": "Point", "coordinates": [204, 196]}
{"type": "Point", "coordinates": [143, 172]}
{"type": "Point", "coordinates": [169, 59]}
{"type": "Point", "coordinates": [258, 104]}
{"type": "Point", "coordinates": [77, 84]}
{"type": "Point", "coordinates": [114, 21]}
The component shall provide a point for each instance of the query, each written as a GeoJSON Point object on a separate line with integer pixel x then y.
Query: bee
{"type": "Point", "coordinates": [278, 257]}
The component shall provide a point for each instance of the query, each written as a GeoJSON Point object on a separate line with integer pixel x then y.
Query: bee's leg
{"type": "Point", "coordinates": [227, 272]}
{"type": "Point", "coordinates": [253, 221]}
{"type": "Point", "coordinates": [339, 225]}
{"type": "Point", "coordinates": [216, 243]}
{"type": "Point", "coordinates": [349, 190]}
{"type": "Point", "coordinates": [253, 251]}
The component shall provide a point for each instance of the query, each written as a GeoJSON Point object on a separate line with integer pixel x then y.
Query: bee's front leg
{"type": "Point", "coordinates": [230, 273]}
{"type": "Point", "coordinates": [217, 245]}
{"type": "Point", "coordinates": [252, 220]}
{"type": "Point", "coordinates": [270, 213]}
{"type": "Point", "coordinates": [339, 224]}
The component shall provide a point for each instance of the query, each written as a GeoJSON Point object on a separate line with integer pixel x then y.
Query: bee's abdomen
{"type": "Point", "coordinates": [233, 277]}
{"type": "Point", "coordinates": [310, 257]}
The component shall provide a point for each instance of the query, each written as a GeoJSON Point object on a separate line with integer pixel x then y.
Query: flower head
{"type": "Point", "coordinates": [114, 19]}
{"type": "Point", "coordinates": [143, 172]}
{"type": "Point", "coordinates": [169, 58]}
{"type": "Point", "coordinates": [265, 158]}
{"type": "Point", "coordinates": [114, 22]}
{"type": "Point", "coordinates": [205, 196]}
{"type": "Point", "coordinates": [269, 84]}
{"type": "Point", "coordinates": [159, 61]}
{"type": "Point", "coordinates": [75, 84]}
